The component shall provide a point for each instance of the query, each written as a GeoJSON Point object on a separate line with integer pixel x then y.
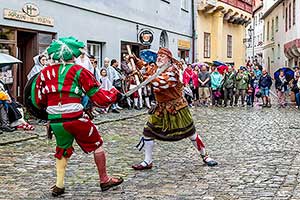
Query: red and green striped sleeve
{"type": "Point", "coordinates": [39, 99]}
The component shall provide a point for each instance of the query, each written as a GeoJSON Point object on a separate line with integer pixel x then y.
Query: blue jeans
{"type": "Point", "coordinates": [85, 101]}
{"type": "Point", "coordinates": [297, 96]}
{"type": "Point", "coordinates": [265, 92]}
{"type": "Point", "coordinates": [4, 102]}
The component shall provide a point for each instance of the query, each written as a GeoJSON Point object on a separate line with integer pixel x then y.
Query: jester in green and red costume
{"type": "Point", "coordinates": [58, 90]}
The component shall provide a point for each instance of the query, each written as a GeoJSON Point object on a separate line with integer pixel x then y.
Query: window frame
{"type": "Point", "coordinates": [207, 43]}
{"type": "Point", "coordinates": [294, 12]}
{"type": "Point", "coordinates": [290, 16]}
{"type": "Point", "coordinates": [229, 46]}
{"type": "Point", "coordinates": [185, 5]}
{"type": "Point", "coordinates": [276, 23]}
{"type": "Point", "coordinates": [286, 19]}
{"type": "Point", "coordinates": [100, 53]}
{"type": "Point", "coordinates": [272, 30]}
{"type": "Point", "coordinates": [268, 30]}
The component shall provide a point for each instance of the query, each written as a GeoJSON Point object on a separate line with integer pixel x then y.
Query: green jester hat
{"type": "Point", "coordinates": [65, 48]}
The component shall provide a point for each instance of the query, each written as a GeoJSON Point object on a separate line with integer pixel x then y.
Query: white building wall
{"type": "Point", "coordinates": [273, 55]}
{"type": "Point", "coordinates": [257, 25]}
{"type": "Point", "coordinates": [293, 33]}
{"type": "Point", "coordinates": [110, 21]}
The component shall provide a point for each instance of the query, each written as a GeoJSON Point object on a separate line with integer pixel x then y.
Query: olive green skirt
{"type": "Point", "coordinates": [170, 127]}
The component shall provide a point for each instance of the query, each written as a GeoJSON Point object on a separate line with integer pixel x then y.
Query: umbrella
{"type": "Point", "coordinates": [6, 59]}
{"type": "Point", "coordinates": [148, 55]}
{"type": "Point", "coordinates": [289, 73]}
{"type": "Point", "coordinates": [218, 63]}
{"type": "Point", "coordinates": [209, 63]}
{"type": "Point", "coordinates": [222, 69]}
{"type": "Point", "coordinates": [199, 64]}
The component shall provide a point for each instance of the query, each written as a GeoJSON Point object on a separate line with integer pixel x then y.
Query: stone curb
{"type": "Point", "coordinates": [120, 119]}
{"type": "Point", "coordinates": [19, 140]}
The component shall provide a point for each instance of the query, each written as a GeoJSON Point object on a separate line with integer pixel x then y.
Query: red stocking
{"type": "Point", "coordinates": [100, 160]}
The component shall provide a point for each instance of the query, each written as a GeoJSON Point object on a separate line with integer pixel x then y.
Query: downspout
{"type": "Point", "coordinates": [193, 31]}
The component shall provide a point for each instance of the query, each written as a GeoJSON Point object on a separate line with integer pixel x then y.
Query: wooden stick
{"type": "Point", "coordinates": [131, 60]}
{"type": "Point", "coordinates": [136, 77]}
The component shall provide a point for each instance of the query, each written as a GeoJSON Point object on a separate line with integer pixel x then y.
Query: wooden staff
{"type": "Point", "coordinates": [137, 80]}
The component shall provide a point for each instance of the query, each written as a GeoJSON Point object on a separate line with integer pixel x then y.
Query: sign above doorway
{"type": "Point", "coordinates": [30, 13]}
{"type": "Point", "coordinates": [184, 44]}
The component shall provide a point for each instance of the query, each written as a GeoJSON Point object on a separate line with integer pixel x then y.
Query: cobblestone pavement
{"type": "Point", "coordinates": [257, 149]}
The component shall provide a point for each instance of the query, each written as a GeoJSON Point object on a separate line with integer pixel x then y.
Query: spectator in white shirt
{"type": "Point", "coordinates": [85, 62]}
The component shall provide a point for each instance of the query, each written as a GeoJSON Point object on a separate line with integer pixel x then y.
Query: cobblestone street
{"type": "Point", "coordinates": [257, 149]}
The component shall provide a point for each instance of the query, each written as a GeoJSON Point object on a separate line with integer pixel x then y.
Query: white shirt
{"type": "Point", "coordinates": [112, 74]}
{"type": "Point", "coordinates": [85, 62]}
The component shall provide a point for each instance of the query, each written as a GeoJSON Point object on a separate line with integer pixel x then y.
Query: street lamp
{"type": "Point", "coordinates": [251, 38]}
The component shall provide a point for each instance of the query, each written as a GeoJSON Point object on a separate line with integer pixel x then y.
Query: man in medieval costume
{"type": "Point", "coordinates": [171, 119]}
{"type": "Point", "coordinates": [55, 93]}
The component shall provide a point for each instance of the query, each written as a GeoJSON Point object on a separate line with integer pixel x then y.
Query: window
{"type": "Point", "coordinates": [286, 19]}
{"type": "Point", "coordinates": [264, 32]}
{"type": "Point", "coordinates": [260, 20]}
{"type": "Point", "coordinates": [206, 45]}
{"type": "Point", "coordinates": [294, 12]}
{"type": "Point", "coordinates": [268, 30]}
{"type": "Point", "coordinates": [229, 46]}
{"type": "Point", "coordinates": [184, 5]}
{"type": "Point", "coordinates": [278, 51]}
{"type": "Point", "coordinates": [44, 40]}
{"type": "Point", "coordinates": [276, 24]}
{"type": "Point", "coordinates": [163, 40]}
{"type": "Point", "coordinates": [95, 49]}
{"type": "Point", "coordinates": [272, 30]}
{"type": "Point", "coordinates": [7, 34]}
{"type": "Point", "coordinates": [290, 16]}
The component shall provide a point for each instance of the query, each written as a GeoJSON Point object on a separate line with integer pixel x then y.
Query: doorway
{"type": "Point", "coordinates": [135, 48]}
{"type": "Point", "coordinates": [184, 54]}
{"type": "Point", "coordinates": [27, 49]}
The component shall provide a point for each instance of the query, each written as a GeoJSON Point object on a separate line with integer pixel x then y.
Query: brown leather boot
{"type": "Point", "coordinates": [56, 191]}
{"type": "Point", "coordinates": [111, 183]}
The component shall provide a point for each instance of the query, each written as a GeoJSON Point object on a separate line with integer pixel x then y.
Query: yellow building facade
{"type": "Point", "coordinates": [221, 30]}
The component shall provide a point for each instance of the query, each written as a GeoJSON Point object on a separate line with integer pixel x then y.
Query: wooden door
{"type": "Point", "coordinates": [27, 49]}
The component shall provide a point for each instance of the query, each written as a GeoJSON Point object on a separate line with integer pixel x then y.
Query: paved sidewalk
{"type": "Point", "coordinates": [257, 150]}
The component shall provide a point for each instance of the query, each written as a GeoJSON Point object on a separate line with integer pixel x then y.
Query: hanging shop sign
{"type": "Point", "coordinates": [31, 10]}
{"type": "Point", "coordinates": [146, 36]}
{"type": "Point", "coordinates": [184, 44]}
{"type": "Point", "coordinates": [30, 13]}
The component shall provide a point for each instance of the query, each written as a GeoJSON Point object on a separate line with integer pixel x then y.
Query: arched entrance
{"type": "Point", "coordinates": [163, 39]}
